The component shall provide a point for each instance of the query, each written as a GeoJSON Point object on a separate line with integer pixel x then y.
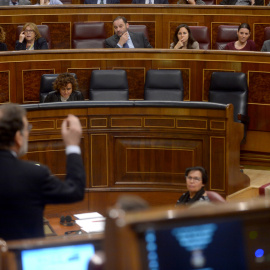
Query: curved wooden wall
{"type": "Point", "coordinates": [20, 74]}
{"type": "Point", "coordinates": [161, 20]}
{"type": "Point", "coordinates": [143, 148]}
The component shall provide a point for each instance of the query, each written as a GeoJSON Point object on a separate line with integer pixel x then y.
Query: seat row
{"type": "Point", "coordinates": [161, 85]}
{"type": "Point", "coordinates": [92, 34]}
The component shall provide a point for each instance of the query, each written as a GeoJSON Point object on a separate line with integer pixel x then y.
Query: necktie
{"type": "Point", "coordinates": [125, 45]}
{"type": "Point", "coordinates": [150, 1]}
{"type": "Point", "coordinates": [101, 2]}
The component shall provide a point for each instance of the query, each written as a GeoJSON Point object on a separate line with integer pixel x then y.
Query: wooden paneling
{"type": "Point", "coordinates": [161, 20]}
{"type": "Point", "coordinates": [148, 156]}
{"type": "Point", "coordinates": [21, 73]}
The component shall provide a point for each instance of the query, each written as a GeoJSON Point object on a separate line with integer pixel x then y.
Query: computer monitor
{"type": "Point", "coordinates": [233, 241]}
{"type": "Point", "coordinates": [70, 257]}
{"type": "Point", "coordinates": [60, 252]}
{"type": "Point", "coordinates": [231, 236]}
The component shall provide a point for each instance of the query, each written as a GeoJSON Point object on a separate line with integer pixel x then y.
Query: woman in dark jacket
{"type": "Point", "coordinates": [65, 87]}
{"type": "Point", "coordinates": [196, 179]}
{"type": "Point", "coordinates": [30, 39]}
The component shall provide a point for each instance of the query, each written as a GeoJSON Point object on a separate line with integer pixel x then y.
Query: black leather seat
{"type": "Point", "coordinates": [231, 87]}
{"type": "Point", "coordinates": [108, 85]}
{"type": "Point", "coordinates": [46, 85]}
{"type": "Point", "coordinates": [164, 84]}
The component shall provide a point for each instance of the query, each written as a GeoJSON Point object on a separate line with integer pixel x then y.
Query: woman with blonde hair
{"type": "Point", "coordinates": [30, 39]}
{"type": "Point", "coordinates": [3, 45]}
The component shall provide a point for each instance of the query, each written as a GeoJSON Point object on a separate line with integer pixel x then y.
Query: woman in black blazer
{"type": "Point", "coordinates": [3, 46]}
{"type": "Point", "coordinates": [65, 87]}
{"type": "Point", "coordinates": [30, 39]}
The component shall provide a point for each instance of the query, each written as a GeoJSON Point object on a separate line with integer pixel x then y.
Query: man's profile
{"type": "Point", "coordinates": [26, 188]}
{"type": "Point", "coordinates": [123, 38]}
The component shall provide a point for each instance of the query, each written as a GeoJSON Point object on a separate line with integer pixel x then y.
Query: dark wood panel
{"type": "Point", "coordinates": [99, 160]}
{"type": "Point", "coordinates": [157, 160]}
{"type": "Point", "coordinates": [217, 161]}
{"type": "Point", "coordinates": [137, 158]}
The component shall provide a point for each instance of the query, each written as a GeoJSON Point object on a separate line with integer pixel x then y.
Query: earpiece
{"type": "Point", "coordinates": [66, 221]}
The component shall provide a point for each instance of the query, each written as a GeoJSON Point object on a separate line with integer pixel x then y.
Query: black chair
{"type": "Point", "coordinates": [108, 85]}
{"type": "Point", "coordinates": [164, 84]}
{"type": "Point", "coordinates": [231, 87]}
{"type": "Point", "coordinates": [46, 85]}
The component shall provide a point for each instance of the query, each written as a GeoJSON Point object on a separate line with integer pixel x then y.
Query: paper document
{"type": "Point", "coordinates": [91, 226]}
{"type": "Point", "coordinates": [89, 215]}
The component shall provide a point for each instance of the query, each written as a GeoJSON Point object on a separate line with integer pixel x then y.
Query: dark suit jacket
{"type": "Point", "coordinates": [3, 46]}
{"type": "Point", "coordinates": [138, 40]}
{"type": "Point", "coordinates": [155, 1]}
{"type": "Point", "coordinates": [266, 46]}
{"type": "Point", "coordinates": [26, 188]}
{"type": "Point", "coordinates": [40, 44]}
{"type": "Point", "coordinates": [107, 2]}
{"type": "Point", "coordinates": [56, 97]}
{"type": "Point", "coordinates": [232, 2]}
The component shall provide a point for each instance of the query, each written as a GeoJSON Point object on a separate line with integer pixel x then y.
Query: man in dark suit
{"type": "Point", "coordinates": [150, 2]}
{"type": "Point", "coordinates": [102, 1]}
{"type": "Point", "coordinates": [124, 38]}
{"type": "Point", "coordinates": [25, 187]}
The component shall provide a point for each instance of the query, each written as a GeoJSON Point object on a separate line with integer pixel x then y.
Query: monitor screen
{"type": "Point", "coordinates": [76, 256]}
{"type": "Point", "coordinates": [201, 247]}
{"type": "Point", "coordinates": [232, 242]}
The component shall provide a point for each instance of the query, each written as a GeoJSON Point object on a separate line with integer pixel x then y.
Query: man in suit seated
{"type": "Point", "coordinates": [266, 46]}
{"type": "Point", "coordinates": [101, 2]}
{"type": "Point", "coordinates": [25, 187]}
{"type": "Point", "coordinates": [124, 38]}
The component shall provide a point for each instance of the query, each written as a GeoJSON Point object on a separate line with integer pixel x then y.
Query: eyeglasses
{"type": "Point", "coordinates": [29, 31]}
{"type": "Point", "coordinates": [189, 178]}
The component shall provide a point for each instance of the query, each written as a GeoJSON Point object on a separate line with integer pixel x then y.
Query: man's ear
{"type": "Point", "coordinates": [127, 25]}
{"type": "Point", "coordinates": [18, 139]}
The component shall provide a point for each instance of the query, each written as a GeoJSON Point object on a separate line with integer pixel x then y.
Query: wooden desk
{"type": "Point", "coordinates": [142, 149]}
{"type": "Point", "coordinates": [161, 20]}
{"type": "Point", "coordinates": [20, 74]}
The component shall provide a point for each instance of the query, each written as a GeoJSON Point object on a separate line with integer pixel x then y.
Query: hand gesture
{"type": "Point", "coordinates": [179, 45]}
{"type": "Point", "coordinates": [21, 37]}
{"type": "Point", "coordinates": [123, 39]}
{"type": "Point", "coordinates": [71, 130]}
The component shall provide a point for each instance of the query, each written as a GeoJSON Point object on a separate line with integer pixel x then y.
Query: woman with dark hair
{"type": "Point", "coordinates": [3, 45]}
{"type": "Point", "coordinates": [183, 38]}
{"type": "Point", "coordinates": [30, 39]}
{"type": "Point", "coordinates": [65, 87]}
{"type": "Point", "coordinates": [196, 179]}
{"type": "Point", "coordinates": [243, 43]}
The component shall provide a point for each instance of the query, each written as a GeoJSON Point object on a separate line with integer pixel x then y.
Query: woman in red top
{"type": "Point", "coordinates": [243, 43]}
